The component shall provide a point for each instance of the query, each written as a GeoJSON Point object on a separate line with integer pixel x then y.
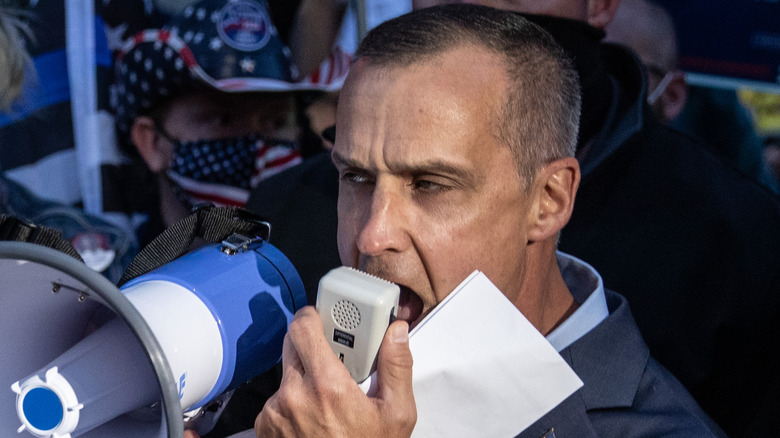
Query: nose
{"type": "Point", "coordinates": [384, 227]}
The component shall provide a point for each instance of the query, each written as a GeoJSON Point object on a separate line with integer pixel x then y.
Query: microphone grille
{"type": "Point", "coordinates": [346, 314]}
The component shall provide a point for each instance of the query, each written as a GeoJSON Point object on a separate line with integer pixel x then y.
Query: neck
{"type": "Point", "coordinates": [560, 302]}
{"type": "Point", "coordinates": [544, 298]}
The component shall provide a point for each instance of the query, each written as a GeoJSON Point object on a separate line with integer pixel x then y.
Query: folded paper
{"type": "Point", "coordinates": [480, 368]}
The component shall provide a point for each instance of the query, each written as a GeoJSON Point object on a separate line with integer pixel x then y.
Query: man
{"type": "Point", "coordinates": [691, 242]}
{"type": "Point", "coordinates": [210, 102]}
{"type": "Point", "coordinates": [454, 149]}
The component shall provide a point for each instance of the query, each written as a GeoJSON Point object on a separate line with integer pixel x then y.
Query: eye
{"type": "Point", "coordinates": [422, 184]}
{"type": "Point", "coordinates": [355, 178]}
{"type": "Point", "coordinates": [429, 185]}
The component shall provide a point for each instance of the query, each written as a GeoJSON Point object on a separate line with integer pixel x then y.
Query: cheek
{"type": "Point", "coordinates": [189, 131]}
{"type": "Point", "coordinates": [450, 246]}
{"type": "Point", "coordinates": [347, 230]}
{"type": "Point", "coordinates": [487, 239]}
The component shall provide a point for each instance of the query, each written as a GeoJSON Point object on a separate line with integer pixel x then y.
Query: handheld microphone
{"type": "Point", "coordinates": [356, 308]}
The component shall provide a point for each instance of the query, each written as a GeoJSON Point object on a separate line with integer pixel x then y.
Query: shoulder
{"type": "Point", "coordinates": [625, 392]}
{"type": "Point", "coordinates": [649, 398]}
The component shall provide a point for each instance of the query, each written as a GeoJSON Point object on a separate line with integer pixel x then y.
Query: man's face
{"type": "Point", "coordinates": [427, 193]}
{"type": "Point", "coordinates": [575, 9]}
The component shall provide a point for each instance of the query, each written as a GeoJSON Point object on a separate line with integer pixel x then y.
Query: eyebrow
{"type": "Point", "coordinates": [339, 159]}
{"type": "Point", "coordinates": [436, 167]}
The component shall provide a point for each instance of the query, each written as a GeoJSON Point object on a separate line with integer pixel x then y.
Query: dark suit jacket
{"type": "Point", "coordinates": [626, 392]}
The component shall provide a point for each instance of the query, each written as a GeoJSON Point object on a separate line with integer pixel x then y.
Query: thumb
{"type": "Point", "coordinates": [394, 365]}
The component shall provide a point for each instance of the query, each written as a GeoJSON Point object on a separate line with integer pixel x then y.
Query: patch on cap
{"type": "Point", "coordinates": [244, 25]}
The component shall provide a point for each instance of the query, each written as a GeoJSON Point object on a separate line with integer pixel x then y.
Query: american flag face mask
{"type": "Point", "coordinates": [223, 171]}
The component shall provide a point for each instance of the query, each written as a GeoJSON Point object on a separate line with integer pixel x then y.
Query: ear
{"type": "Point", "coordinates": [675, 95]}
{"type": "Point", "coordinates": [601, 12]}
{"type": "Point", "coordinates": [554, 190]}
{"type": "Point", "coordinates": [145, 138]}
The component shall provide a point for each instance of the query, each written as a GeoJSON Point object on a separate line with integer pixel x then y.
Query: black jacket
{"type": "Point", "coordinates": [694, 245]}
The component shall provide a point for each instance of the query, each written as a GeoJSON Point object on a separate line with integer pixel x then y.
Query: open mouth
{"type": "Point", "coordinates": [410, 306]}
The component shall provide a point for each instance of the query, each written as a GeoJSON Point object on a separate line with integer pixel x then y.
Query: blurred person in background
{"type": "Point", "coordinates": [716, 116]}
{"type": "Point", "coordinates": [648, 30]}
{"type": "Point", "coordinates": [210, 103]}
{"type": "Point", "coordinates": [37, 140]}
{"type": "Point", "coordinates": [14, 59]}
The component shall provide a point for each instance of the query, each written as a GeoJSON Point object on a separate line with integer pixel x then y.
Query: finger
{"type": "Point", "coordinates": [394, 374]}
{"type": "Point", "coordinates": [191, 434]}
{"type": "Point", "coordinates": [271, 423]}
{"type": "Point", "coordinates": [292, 368]}
{"type": "Point", "coordinates": [307, 336]}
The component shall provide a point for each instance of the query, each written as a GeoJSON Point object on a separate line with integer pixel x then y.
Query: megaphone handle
{"type": "Point", "coordinates": [210, 223]}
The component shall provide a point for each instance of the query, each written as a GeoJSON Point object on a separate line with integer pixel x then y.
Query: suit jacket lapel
{"type": "Point", "coordinates": [610, 360]}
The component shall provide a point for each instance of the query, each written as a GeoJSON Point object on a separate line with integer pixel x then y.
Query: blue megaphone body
{"type": "Point", "coordinates": [219, 314]}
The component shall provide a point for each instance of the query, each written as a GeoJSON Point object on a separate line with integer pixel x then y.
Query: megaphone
{"type": "Point", "coordinates": [81, 357]}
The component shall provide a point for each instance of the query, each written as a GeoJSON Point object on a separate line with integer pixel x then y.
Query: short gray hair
{"type": "Point", "coordinates": [539, 118]}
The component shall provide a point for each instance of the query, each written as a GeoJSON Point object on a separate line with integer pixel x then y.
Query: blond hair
{"type": "Point", "coordinates": [14, 59]}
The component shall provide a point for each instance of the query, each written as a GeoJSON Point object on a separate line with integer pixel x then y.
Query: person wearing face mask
{"type": "Point", "coordinates": [210, 102]}
{"type": "Point", "coordinates": [648, 30]}
{"type": "Point", "coordinates": [689, 240]}
{"type": "Point", "coordinates": [716, 116]}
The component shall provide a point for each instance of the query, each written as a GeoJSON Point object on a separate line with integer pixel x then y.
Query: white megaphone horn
{"type": "Point", "coordinates": [82, 358]}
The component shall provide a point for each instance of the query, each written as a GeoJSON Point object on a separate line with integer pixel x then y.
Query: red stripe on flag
{"type": "Point", "coordinates": [187, 56]}
{"type": "Point", "coordinates": [216, 199]}
{"type": "Point", "coordinates": [282, 161]}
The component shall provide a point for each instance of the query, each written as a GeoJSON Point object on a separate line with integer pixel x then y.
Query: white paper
{"type": "Point", "coordinates": [480, 368]}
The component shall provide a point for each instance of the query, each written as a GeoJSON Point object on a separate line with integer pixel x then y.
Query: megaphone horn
{"type": "Point", "coordinates": [180, 336]}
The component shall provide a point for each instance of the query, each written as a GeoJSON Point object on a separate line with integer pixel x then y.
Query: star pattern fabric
{"type": "Point", "coordinates": [195, 51]}
{"type": "Point", "coordinates": [228, 46]}
{"type": "Point", "coordinates": [223, 172]}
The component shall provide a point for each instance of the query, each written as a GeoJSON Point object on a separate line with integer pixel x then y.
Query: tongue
{"type": "Point", "coordinates": [410, 306]}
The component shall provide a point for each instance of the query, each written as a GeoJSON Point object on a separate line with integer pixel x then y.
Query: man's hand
{"type": "Point", "coordinates": [318, 397]}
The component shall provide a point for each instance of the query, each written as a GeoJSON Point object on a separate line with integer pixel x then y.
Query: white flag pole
{"type": "Point", "coordinates": [82, 76]}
